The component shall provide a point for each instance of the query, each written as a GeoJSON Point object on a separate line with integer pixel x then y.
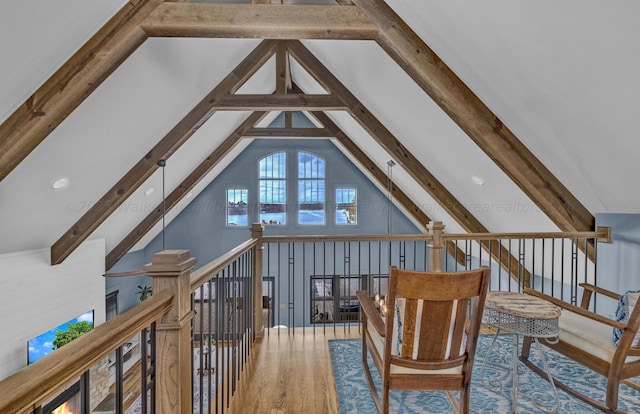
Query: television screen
{"type": "Point", "coordinates": [51, 340]}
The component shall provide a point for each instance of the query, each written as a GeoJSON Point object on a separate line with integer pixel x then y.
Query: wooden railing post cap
{"type": "Point", "coordinates": [257, 228]}
{"type": "Point", "coordinates": [170, 260]}
{"type": "Point", "coordinates": [435, 225]}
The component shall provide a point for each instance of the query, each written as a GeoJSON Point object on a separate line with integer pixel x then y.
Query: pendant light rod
{"type": "Point", "coordinates": [390, 165]}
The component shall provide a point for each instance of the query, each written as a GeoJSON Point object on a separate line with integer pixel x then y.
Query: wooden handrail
{"type": "Point", "coordinates": [602, 234]}
{"type": "Point", "coordinates": [345, 238]}
{"type": "Point", "coordinates": [129, 273]}
{"type": "Point", "coordinates": [206, 272]}
{"type": "Point", "coordinates": [34, 385]}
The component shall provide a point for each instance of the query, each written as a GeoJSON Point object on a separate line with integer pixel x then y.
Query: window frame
{"type": "Point", "coordinates": [336, 188]}
{"type": "Point", "coordinates": [240, 187]}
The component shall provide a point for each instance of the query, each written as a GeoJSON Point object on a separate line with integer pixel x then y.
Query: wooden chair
{"type": "Point", "coordinates": [586, 337]}
{"type": "Point", "coordinates": [428, 339]}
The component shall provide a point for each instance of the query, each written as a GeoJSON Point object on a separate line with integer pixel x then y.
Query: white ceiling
{"type": "Point", "coordinates": [561, 75]}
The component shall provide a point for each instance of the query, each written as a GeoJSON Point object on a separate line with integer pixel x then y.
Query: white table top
{"type": "Point", "coordinates": [521, 305]}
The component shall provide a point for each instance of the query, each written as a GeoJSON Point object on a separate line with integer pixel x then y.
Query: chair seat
{"type": "Point", "coordinates": [396, 369]}
{"type": "Point", "coordinates": [589, 335]}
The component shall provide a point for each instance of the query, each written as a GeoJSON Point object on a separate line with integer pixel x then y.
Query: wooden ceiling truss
{"type": "Point", "coordinates": [350, 19]}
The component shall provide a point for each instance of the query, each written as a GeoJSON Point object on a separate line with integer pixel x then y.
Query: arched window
{"type": "Point", "coordinates": [273, 189]}
{"type": "Point", "coordinates": [311, 175]}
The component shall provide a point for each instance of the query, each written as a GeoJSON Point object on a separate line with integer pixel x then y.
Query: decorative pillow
{"type": "Point", "coordinates": [625, 306]}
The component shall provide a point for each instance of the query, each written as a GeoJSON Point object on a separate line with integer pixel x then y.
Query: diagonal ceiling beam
{"type": "Point", "coordinates": [402, 155]}
{"type": "Point", "coordinates": [385, 138]}
{"type": "Point", "coordinates": [181, 190]}
{"type": "Point", "coordinates": [375, 171]}
{"type": "Point", "coordinates": [103, 208]}
{"type": "Point", "coordinates": [265, 21]}
{"type": "Point", "coordinates": [380, 176]}
{"type": "Point", "coordinates": [30, 124]}
{"type": "Point", "coordinates": [476, 119]}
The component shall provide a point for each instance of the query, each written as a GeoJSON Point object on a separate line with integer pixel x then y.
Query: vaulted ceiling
{"type": "Point", "coordinates": [537, 100]}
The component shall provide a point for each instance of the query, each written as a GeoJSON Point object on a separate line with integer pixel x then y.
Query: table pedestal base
{"type": "Point", "coordinates": [496, 385]}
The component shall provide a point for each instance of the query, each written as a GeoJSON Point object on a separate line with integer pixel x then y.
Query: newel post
{"type": "Point", "coordinates": [257, 230]}
{"type": "Point", "coordinates": [436, 229]}
{"type": "Point", "coordinates": [171, 270]}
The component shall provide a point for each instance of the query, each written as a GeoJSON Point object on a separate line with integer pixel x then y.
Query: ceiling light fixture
{"type": "Point", "coordinates": [60, 183]}
{"type": "Point", "coordinates": [189, 194]}
{"type": "Point", "coordinates": [477, 180]}
{"type": "Point", "coordinates": [149, 191]}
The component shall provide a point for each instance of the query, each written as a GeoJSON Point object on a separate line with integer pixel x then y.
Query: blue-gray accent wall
{"type": "Point", "coordinates": [201, 226]}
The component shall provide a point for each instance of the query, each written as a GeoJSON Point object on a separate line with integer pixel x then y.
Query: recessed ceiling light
{"type": "Point", "coordinates": [189, 194]}
{"type": "Point", "coordinates": [60, 183]}
{"type": "Point", "coordinates": [477, 180]}
{"type": "Point", "coordinates": [149, 191]}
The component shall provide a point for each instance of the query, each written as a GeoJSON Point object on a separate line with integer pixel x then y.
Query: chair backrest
{"type": "Point", "coordinates": [433, 318]}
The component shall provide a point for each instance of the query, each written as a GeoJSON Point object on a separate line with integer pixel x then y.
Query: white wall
{"type": "Point", "coordinates": [36, 297]}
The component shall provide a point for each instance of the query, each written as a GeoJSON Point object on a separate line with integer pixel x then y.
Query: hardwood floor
{"type": "Point", "coordinates": [290, 372]}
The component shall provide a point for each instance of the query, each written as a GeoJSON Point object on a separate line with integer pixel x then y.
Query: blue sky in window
{"type": "Point", "coordinates": [274, 166]}
{"type": "Point", "coordinates": [310, 166]}
{"type": "Point", "coordinates": [42, 344]}
{"type": "Point", "coordinates": [238, 195]}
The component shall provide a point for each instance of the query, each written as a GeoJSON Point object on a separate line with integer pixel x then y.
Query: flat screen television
{"type": "Point", "coordinates": [46, 343]}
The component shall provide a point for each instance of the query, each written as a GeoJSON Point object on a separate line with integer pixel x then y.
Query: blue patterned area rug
{"type": "Point", "coordinates": [354, 395]}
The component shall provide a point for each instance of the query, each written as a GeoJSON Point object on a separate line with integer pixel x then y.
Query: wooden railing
{"type": "Point", "coordinates": [30, 388]}
{"type": "Point", "coordinates": [226, 298]}
{"type": "Point", "coordinates": [308, 281]}
{"type": "Point", "coordinates": [313, 279]}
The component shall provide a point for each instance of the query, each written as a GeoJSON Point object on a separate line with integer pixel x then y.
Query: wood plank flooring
{"type": "Point", "coordinates": [290, 372]}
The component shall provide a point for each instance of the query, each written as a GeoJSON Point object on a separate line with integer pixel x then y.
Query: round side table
{"type": "Point", "coordinates": [522, 315]}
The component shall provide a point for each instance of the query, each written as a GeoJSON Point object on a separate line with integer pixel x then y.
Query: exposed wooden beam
{"type": "Point", "coordinates": [476, 119]}
{"type": "Point", "coordinates": [402, 155]}
{"type": "Point", "coordinates": [386, 139]}
{"type": "Point", "coordinates": [283, 69]}
{"type": "Point", "coordinates": [43, 111]}
{"type": "Point", "coordinates": [264, 21]}
{"type": "Point", "coordinates": [181, 190]}
{"type": "Point", "coordinates": [73, 237]}
{"type": "Point", "coordinates": [296, 133]}
{"type": "Point", "coordinates": [291, 102]}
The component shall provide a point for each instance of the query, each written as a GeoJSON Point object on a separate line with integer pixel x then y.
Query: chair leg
{"type": "Point", "coordinates": [613, 386]}
{"type": "Point", "coordinates": [385, 398]}
{"type": "Point", "coordinates": [465, 397]}
{"type": "Point", "coordinates": [369, 378]}
{"type": "Point", "coordinates": [605, 408]}
{"type": "Point", "coordinates": [526, 347]}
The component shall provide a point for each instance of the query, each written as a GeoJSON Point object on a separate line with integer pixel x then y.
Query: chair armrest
{"type": "Point", "coordinates": [612, 295]}
{"type": "Point", "coordinates": [370, 311]}
{"type": "Point", "coordinates": [576, 309]}
{"type": "Point", "coordinates": [589, 289]}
